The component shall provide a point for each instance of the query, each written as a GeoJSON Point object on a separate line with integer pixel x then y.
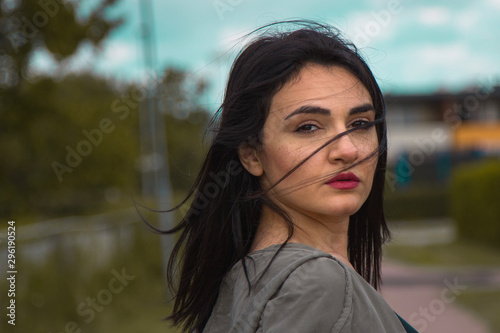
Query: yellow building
{"type": "Point", "coordinates": [477, 136]}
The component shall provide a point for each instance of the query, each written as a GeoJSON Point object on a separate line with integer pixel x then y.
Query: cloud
{"type": "Point", "coordinates": [116, 58]}
{"type": "Point", "coordinates": [433, 16]}
{"type": "Point", "coordinates": [468, 19]}
{"type": "Point", "coordinates": [231, 37]}
{"type": "Point", "coordinates": [428, 45]}
{"type": "Point", "coordinates": [428, 67]}
{"type": "Point", "coordinates": [367, 28]}
{"type": "Point", "coordinates": [119, 53]}
{"type": "Point", "coordinates": [494, 4]}
{"type": "Point", "coordinates": [439, 55]}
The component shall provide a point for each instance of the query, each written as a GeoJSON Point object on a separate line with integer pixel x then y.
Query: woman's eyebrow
{"type": "Point", "coordinates": [309, 109]}
{"type": "Point", "coordinates": [361, 109]}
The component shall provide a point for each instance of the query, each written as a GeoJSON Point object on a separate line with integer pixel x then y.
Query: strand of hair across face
{"type": "Point", "coordinates": [314, 180]}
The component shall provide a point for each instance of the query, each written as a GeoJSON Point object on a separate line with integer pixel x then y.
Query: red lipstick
{"type": "Point", "coordinates": [344, 181]}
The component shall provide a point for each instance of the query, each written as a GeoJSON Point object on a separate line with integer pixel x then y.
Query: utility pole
{"type": "Point", "coordinates": [154, 159]}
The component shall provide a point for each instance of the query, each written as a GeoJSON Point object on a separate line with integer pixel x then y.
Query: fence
{"type": "Point", "coordinates": [98, 237]}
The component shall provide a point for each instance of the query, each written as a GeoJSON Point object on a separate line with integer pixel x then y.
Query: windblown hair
{"type": "Point", "coordinates": [220, 225]}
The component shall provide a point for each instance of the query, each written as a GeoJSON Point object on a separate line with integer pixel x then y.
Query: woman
{"type": "Point", "coordinates": [286, 223]}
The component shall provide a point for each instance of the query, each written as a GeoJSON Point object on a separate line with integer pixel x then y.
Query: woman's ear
{"type": "Point", "coordinates": [250, 160]}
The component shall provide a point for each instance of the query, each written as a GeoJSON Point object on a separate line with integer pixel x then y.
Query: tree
{"type": "Point", "coordinates": [55, 25]}
{"type": "Point", "coordinates": [70, 142]}
{"type": "Point", "coordinates": [36, 116]}
{"type": "Point", "coordinates": [185, 123]}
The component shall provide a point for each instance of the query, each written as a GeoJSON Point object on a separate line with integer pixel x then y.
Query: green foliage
{"type": "Point", "coordinates": [185, 124]}
{"type": "Point", "coordinates": [41, 124]}
{"type": "Point", "coordinates": [73, 146]}
{"type": "Point", "coordinates": [56, 26]}
{"type": "Point", "coordinates": [475, 198]}
{"type": "Point", "coordinates": [40, 117]}
{"type": "Point", "coordinates": [185, 148]}
{"type": "Point", "coordinates": [416, 202]}
{"type": "Point", "coordinates": [484, 303]}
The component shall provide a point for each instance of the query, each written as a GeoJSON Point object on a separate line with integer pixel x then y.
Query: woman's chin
{"type": "Point", "coordinates": [343, 212]}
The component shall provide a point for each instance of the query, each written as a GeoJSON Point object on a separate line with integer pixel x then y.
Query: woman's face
{"type": "Point", "coordinates": [319, 104]}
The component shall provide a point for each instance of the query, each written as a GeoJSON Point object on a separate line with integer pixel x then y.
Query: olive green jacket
{"type": "Point", "coordinates": [304, 290]}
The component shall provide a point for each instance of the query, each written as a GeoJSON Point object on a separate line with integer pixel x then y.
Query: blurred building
{"type": "Point", "coordinates": [428, 134]}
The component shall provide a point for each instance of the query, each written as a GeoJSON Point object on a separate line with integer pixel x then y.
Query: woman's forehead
{"type": "Point", "coordinates": [319, 84]}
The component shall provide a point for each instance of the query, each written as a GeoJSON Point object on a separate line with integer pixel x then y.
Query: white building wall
{"type": "Point", "coordinates": [424, 138]}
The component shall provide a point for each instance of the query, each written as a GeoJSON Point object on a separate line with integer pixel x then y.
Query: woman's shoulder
{"type": "Point", "coordinates": [297, 289]}
{"type": "Point", "coordinates": [300, 274]}
{"type": "Point", "coordinates": [289, 252]}
{"type": "Point", "coordinates": [293, 289]}
{"type": "Point", "coordinates": [318, 292]}
{"type": "Point", "coordinates": [307, 263]}
{"type": "Point", "coordinates": [310, 290]}
{"type": "Point", "coordinates": [311, 276]}
{"type": "Point", "coordinates": [296, 262]}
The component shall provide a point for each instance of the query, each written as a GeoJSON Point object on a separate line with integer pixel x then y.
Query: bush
{"type": "Point", "coordinates": [475, 201]}
{"type": "Point", "coordinates": [416, 202]}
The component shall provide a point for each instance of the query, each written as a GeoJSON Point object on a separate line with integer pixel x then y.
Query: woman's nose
{"type": "Point", "coordinates": [343, 150]}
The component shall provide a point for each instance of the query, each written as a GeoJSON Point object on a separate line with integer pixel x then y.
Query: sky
{"type": "Point", "coordinates": [411, 46]}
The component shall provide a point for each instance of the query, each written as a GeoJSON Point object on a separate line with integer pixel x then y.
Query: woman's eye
{"type": "Point", "coordinates": [359, 122]}
{"type": "Point", "coordinates": [307, 128]}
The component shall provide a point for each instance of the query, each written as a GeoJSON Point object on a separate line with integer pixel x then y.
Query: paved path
{"type": "Point", "coordinates": [426, 298]}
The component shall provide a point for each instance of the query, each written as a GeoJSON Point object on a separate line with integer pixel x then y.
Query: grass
{"type": "Point", "coordinates": [135, 314]}
{"type": "Point", "coordinates": [50, 293]}
{"type": "Point", "coordinates": [485, 304]}
{"type": "Point", "coordinates": [456, 254]}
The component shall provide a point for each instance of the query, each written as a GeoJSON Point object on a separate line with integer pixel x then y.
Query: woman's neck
{"type": "Point", "coordinates": [328, 235]}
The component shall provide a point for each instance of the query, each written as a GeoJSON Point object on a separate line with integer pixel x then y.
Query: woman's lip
{"type": "Point", "coordinates": [344, 181]}
{"type": "Point", "coordinates": [344, 184]}
{"type": "Point", "coordinates": [344, 177]}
